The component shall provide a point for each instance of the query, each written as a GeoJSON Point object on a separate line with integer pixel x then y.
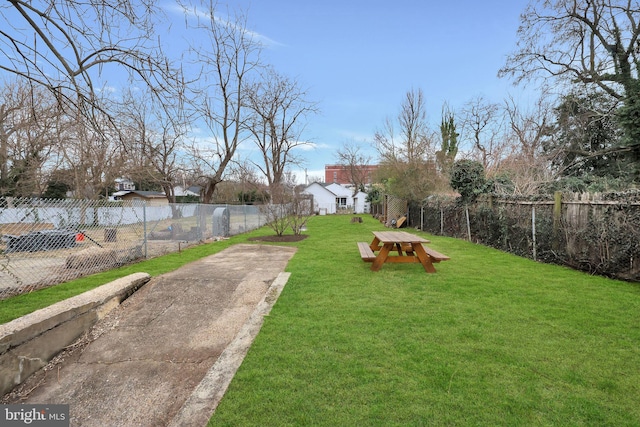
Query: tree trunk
{"type": "Point", "coordinates": [209, 189]}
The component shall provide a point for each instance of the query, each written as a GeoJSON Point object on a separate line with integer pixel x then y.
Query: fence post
{"type": "Point", "coordinates": [466, 211]}
{"type": "Point", "coordinates": [144, 231]}
{"type": "Point", "coordinates": [557, 215]}
{"type": "Point", "coordinates": [533, 230]}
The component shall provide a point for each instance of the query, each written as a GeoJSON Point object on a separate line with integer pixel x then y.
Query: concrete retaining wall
{"type": "Point", "coordinates": [30, 342]}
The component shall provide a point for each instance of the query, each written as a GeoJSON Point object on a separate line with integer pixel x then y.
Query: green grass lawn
{"type": "Point", "coordinates": [490, 339]}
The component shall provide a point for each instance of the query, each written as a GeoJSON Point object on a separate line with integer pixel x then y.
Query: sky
{"type": "Point", "coordinates": [358, 59]}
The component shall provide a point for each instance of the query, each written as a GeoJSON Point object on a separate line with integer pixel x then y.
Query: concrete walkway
{"type": "Point", "coordinates": [166, 355]}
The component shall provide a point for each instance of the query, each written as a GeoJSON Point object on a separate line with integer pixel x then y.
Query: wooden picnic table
{"type": "Point", "coordinates": [409, 248]}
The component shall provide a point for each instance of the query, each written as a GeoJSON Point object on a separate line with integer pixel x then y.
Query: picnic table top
{"type": "Point", "coordinates": [398, 237]}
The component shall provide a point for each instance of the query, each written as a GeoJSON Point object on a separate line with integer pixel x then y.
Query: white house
{"type": "Point", "coordinates": [124, 184]}
{"type": "Point", "coordinates": [194, 190]}
{"type": "Point", "coordinates": [331, 198]}
{"type": "Point", "coordinates": [360, 204]}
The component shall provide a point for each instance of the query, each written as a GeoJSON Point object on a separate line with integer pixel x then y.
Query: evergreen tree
{"type": "Point", "coordinates": [587, 137]}
{"type": "Point", "coordinates": [447, 154]}
{"type": "Point", "coordinates": [468, 179]}
{"type": "Point", "coordinates": [56, 190]}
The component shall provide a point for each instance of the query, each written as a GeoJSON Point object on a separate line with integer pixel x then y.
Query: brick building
{"type": "Point", "coordinates": [339, 174]}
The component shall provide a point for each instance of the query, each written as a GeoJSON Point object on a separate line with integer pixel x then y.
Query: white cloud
{"type": "Point", "coordinates": [311, 146]}
{"type": "Point", "coordinates": [196, 13]}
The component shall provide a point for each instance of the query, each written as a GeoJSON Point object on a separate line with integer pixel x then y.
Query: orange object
{"type": "Point", "coordinates": [79, 237]}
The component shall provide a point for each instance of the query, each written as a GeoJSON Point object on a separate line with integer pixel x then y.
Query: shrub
{"type": "Point", "coordinates": [468, 179]}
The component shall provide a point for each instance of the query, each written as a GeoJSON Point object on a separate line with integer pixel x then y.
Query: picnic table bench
{"type": "Point", "coordinates": [409, 247]}
{"type": "Point", "coordinates": [365, 251]}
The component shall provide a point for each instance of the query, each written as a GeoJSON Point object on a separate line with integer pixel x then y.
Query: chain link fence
{"type": "Point", "coordinates": [46, 242]}
{"type": "Point", "coordinates": [583, 231]}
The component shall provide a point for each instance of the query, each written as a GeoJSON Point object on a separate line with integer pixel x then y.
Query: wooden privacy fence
{"type": "Point", "coordinates": [596, 233]}
{"type": "Point", "coordinates": [389, 210]}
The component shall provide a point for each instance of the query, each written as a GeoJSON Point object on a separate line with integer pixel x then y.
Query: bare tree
{"type": "Point", "coordinates": [246, 173]}
{"type": "Point", "coordinates": [352, 157]}
{"type": "Point", "coordinates": [413, 126]}
{"type": "Point", "coordinates": [528, 129]}
{"type": "Point", "coordinates": [229, 56]}
{"type": "Point", "coordinates": [64, 46]}
{"type": "Point", "coordinates": [244, 183]}
{"type": "Point", "coordinates": [592, 43]}
{"type": "Point", "coordinates": [387, 143]}
{"type": "Point", "coordinates": [279, 109]}
{"type": "Point", "coordinates": [406, 156]}
{"type": "Point", "coordinates": [28, 132]}
{"type": "Point", "coordinates": [413, 141]}
{"type": "Point", "coordinates": [530, 126]}
{"type": "Point", "coordinates": [154, 141]}
{"type": "Point", "coordinates": [14, 102]}
{"type": "Point", "coordinates": [138, 122]}
{"type": "Point", "coordinates": [482, 124]}
{"type": "Point", "coordinates": [595, 42]}
{"type": "Point", "coordinates": [96, 158]}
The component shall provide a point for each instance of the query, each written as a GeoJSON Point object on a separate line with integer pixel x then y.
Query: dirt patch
{"type": "Point", "coordinates": [279, 239]}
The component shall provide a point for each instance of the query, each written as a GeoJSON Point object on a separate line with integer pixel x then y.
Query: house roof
{"type": "Point", "coordinates": [320, 185]}
{"type": "Point", "coordinates": [145, 194]}
{"type": "Point", "coordinates": [339, 190]}
{"type": "Point", "coordinates": [334, 188]}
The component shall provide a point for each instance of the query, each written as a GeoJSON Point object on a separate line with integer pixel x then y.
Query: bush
{"type": "Point", "coordinates": [468, 179]}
